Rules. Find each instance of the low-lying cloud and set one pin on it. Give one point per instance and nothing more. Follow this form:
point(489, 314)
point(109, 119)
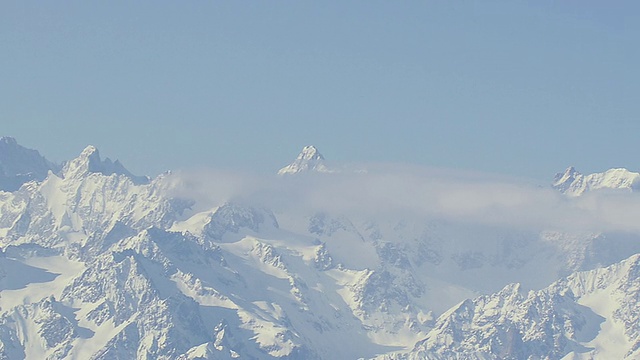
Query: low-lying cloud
point(418, 193)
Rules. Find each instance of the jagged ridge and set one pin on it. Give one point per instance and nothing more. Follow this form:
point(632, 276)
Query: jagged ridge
point(111, 267)
point(573, 183)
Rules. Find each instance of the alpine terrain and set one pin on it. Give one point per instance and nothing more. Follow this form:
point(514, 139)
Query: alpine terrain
point(97, 263)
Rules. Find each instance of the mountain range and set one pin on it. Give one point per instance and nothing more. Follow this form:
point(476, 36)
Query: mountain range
point(573, 183)
point(97, 263)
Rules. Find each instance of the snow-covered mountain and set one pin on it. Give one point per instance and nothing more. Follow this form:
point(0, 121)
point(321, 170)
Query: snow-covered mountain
point(588, 315)
point(573, 183)
point(309, 159)
point(89, 161)
point(19, 165)
point(98, 263)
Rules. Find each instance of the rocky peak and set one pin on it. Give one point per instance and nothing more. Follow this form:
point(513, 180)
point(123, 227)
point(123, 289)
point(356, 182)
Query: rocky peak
point(309, 159)
point(89, 161)
point(310, 153)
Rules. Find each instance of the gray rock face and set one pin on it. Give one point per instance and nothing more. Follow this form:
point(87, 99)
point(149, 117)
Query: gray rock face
point(19, 165)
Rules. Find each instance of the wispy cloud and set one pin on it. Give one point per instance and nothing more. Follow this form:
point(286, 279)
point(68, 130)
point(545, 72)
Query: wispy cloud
point(414, 192)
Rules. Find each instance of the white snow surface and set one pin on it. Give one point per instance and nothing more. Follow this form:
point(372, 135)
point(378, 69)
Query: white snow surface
point(309, 159)
point(573, 183)
point(587, 315)
point(99, 264)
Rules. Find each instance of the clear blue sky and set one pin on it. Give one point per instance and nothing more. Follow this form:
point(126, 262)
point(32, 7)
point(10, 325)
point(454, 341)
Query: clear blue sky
point(516, 87)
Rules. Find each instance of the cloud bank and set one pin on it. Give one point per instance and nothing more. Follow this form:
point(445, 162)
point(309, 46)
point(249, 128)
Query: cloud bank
point(409, 192)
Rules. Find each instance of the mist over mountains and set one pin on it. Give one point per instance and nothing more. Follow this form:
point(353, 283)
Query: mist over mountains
point(317, 261)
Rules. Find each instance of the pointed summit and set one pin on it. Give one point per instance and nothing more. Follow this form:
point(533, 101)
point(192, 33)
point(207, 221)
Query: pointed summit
point(89, 162)
point(310, 153)
point(309, 159)
point(562, 181)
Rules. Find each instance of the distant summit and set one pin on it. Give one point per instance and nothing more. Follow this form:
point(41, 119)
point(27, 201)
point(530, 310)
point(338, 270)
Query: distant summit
point(89, 162)
point(573, 183)
point(309, 159)
point(19, 165)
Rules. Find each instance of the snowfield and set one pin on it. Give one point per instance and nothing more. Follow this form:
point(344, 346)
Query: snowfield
point(97, 263)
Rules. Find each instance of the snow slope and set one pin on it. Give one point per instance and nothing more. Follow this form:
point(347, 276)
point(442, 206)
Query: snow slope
point(573, 183)
point(309, 159)
point(587, 315)
point(98, 263)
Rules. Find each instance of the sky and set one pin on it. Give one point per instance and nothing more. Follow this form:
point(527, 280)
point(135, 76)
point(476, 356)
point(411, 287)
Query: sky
point(523, 88)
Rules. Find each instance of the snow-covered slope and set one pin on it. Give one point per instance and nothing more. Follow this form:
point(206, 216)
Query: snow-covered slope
point(573, 183)
point(591, 314)
point(89, 161)
point(309, 159)
point(97, 263)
